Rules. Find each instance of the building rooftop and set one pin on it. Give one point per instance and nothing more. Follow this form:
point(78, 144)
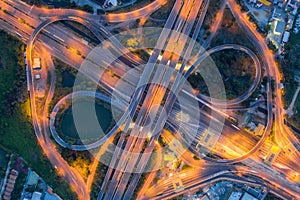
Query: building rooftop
point(286, 36)
point(235, 196)
point(279, 27)
point(36, 63)
point(32, 178)
point(51, 197)
point(248, 197)
point(36, 196)
point(265, 2)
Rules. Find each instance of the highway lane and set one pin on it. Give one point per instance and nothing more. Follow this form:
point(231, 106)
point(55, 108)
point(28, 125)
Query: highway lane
point(26, 24)
point(152, 59)
point(53, 155)
point(70, 174)
point(47, 22)
point(192, 42)
point(158, 76)
point(148, 70)
point(188, 177)
point(186, 29)
point(113, 18)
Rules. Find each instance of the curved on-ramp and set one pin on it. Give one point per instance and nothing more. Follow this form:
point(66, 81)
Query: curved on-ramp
point(93, 145)
point(113, 18)
point(248, 93)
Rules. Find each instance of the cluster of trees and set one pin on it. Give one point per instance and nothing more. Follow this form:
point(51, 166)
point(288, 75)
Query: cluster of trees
point(15, 94)
point(62, 4)
point(289, 65)
point(231, 33)
point(80, 160)
point(62, 84)
point(236, 69)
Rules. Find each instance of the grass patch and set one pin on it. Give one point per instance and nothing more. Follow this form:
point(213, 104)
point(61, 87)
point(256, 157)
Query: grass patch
point(88, 130)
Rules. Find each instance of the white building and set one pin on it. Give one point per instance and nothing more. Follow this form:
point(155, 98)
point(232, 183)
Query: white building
point(36, 196)
point(36, 63)
point(286, 36)
point(113, 2)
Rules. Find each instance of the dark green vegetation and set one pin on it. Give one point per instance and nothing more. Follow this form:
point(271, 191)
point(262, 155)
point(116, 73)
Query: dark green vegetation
point(100, 174)
point(272, 197)
point(68, 79)
point(16, 132)
point(212, 10)
point(237, 71)
point(4, 157)
point(80, 160)
point(59, 4)
point(164, 11)
point(12, 76)
point(65, 78)
point(82, 31)
point(290, 67)
point(230, 32)
point(69, 132)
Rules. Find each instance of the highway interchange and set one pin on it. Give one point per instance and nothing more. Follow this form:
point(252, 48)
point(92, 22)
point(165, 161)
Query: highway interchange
point(41, 30)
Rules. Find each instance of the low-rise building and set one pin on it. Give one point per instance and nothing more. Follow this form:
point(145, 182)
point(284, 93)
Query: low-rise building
point(247, 196)
point(259, 130)
point(36, 196)
point(37, 76)
point(10, 184)
point(279, 27)
point(235, 196)
point(286, 36)
point(36, 63)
